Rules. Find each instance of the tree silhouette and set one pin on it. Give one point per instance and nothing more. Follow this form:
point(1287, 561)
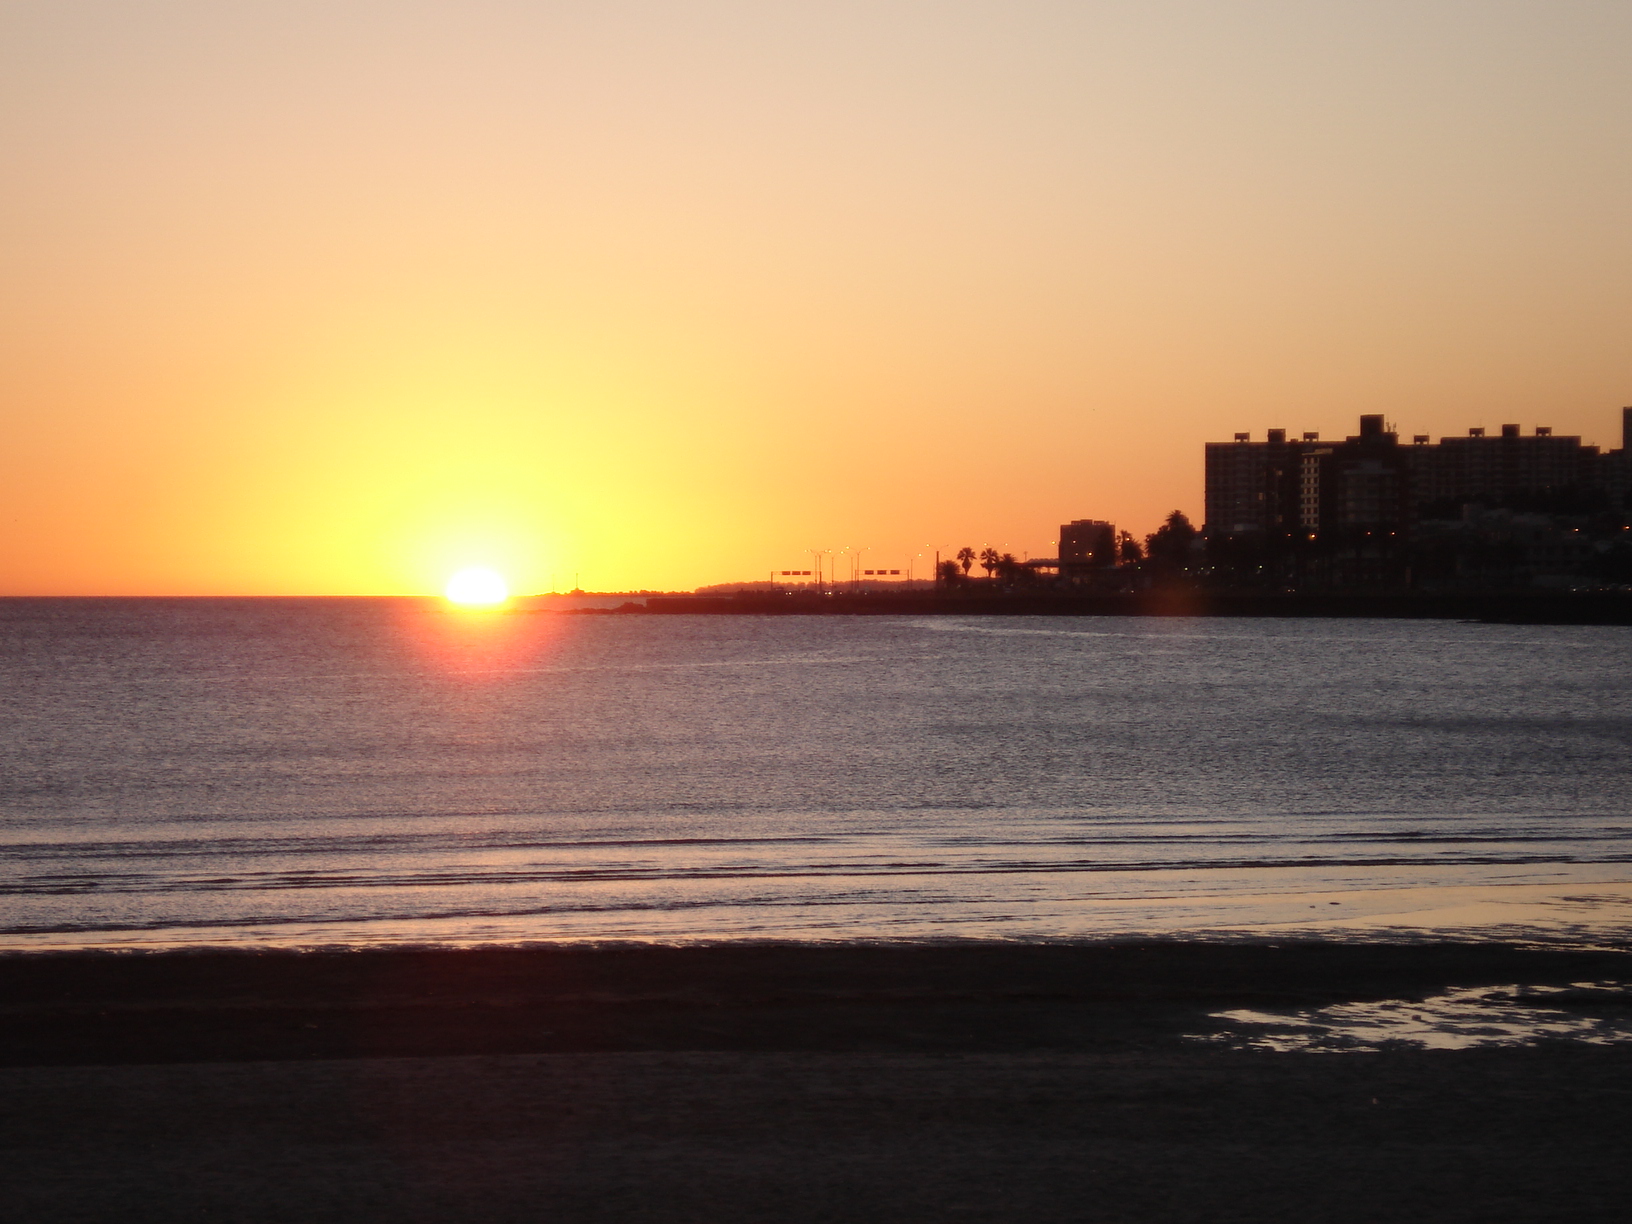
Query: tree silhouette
point(1128, 550)
point(989, 559)
point(966, 558)
point(1170, 544)
point(948, 572)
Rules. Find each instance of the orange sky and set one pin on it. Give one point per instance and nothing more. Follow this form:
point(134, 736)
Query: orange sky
point(338, 297)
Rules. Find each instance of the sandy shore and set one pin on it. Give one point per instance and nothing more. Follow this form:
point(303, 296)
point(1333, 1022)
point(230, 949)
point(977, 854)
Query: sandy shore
point(745, 1083)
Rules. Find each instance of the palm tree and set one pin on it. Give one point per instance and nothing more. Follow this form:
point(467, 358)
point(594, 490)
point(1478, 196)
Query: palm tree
point(988, 559)
point(1170, 544)
point(966, 558)
point(1170, 549)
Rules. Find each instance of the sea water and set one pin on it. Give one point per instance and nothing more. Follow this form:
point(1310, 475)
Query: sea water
point(344, 772)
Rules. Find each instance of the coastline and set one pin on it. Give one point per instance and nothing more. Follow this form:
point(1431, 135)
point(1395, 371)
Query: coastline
point(1563, 608)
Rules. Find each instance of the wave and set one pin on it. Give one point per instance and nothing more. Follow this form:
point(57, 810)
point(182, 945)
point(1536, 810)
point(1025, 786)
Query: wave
point(104, 883)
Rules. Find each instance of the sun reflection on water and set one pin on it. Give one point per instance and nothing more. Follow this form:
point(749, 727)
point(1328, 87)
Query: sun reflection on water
point(477, 645)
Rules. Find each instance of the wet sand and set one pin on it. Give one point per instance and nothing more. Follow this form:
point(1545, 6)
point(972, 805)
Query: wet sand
point(978, 1082)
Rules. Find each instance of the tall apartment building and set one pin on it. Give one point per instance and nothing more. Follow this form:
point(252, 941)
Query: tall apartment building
point(1371, 482)
point(1477, 468)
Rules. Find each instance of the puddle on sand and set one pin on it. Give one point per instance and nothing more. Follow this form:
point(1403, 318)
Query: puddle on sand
point(1593, 1013)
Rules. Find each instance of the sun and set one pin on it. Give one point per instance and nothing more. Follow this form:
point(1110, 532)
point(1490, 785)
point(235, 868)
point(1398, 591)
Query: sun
point(477, 587)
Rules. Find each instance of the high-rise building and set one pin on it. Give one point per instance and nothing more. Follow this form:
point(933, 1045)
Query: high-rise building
point(1480, 468)
point(1371, 483)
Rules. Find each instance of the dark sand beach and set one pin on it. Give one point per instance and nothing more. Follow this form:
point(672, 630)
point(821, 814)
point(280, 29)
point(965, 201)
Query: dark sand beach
point(974, 1081)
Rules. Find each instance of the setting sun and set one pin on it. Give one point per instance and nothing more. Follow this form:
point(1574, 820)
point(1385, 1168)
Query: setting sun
point(477, 587)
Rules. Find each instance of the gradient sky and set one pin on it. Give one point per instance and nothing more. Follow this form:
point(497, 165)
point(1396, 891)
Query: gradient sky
point(337, 297)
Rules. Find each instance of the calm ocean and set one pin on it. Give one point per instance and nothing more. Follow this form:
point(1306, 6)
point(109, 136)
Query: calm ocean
point(337, 772)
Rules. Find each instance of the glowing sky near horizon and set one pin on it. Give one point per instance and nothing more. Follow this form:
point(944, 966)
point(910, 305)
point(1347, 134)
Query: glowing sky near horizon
point(342, 297)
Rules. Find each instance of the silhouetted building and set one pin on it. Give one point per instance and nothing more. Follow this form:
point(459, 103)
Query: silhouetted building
point(1371, 482)
point(1615, 468)
point(1259, 486)
point(1360, 484)
point(1086, 544)
point(1504, 469)
point(1499, 510)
